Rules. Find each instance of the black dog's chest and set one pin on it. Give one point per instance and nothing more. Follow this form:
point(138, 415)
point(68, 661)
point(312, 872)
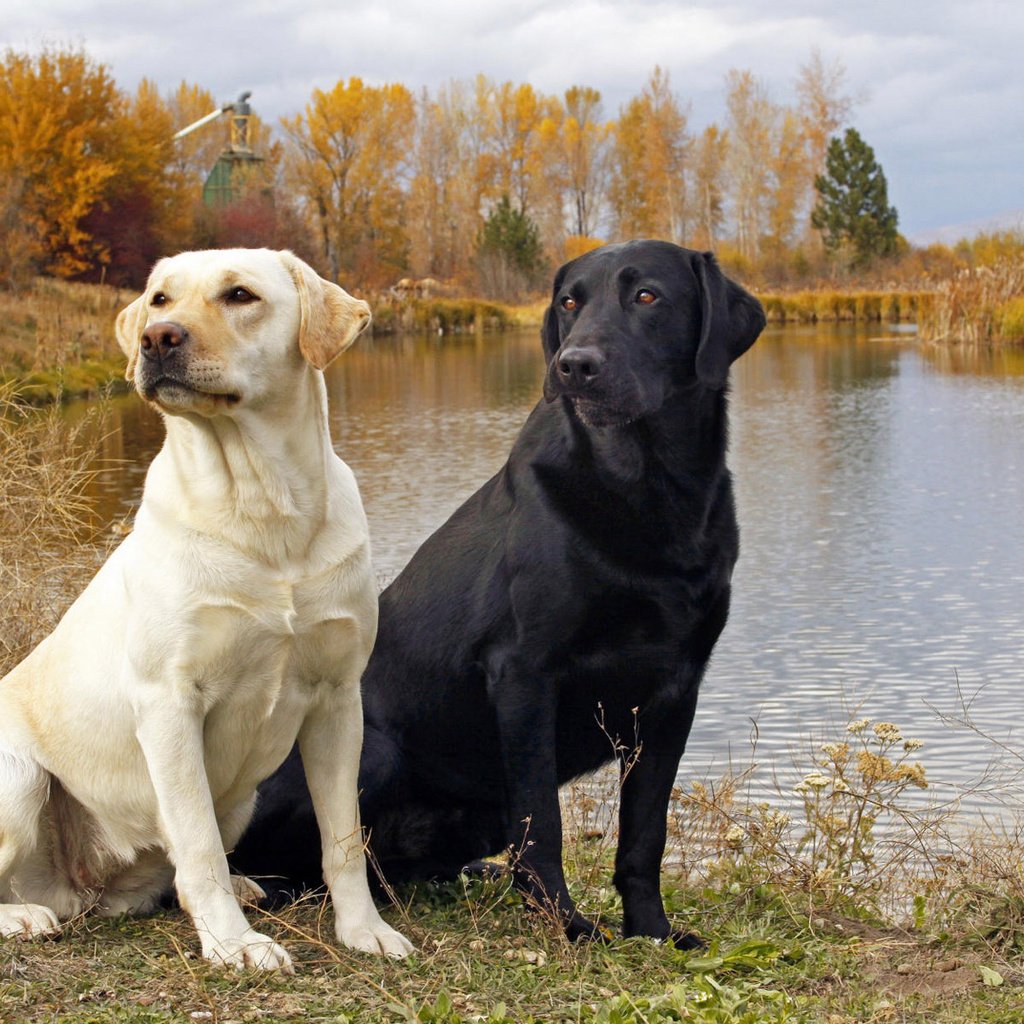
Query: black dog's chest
point(614, 624)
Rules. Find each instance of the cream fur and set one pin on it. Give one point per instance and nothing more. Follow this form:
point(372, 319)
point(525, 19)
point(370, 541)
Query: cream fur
point(237, 616)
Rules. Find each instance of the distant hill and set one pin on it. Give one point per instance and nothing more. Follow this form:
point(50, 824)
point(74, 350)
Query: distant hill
point(1010, 220)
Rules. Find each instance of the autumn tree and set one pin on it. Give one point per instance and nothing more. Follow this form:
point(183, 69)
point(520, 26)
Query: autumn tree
point(823, 107)
point(134, 221)
point(648, 188)
point(853, 214)
point(708, 186)
point(450, 177)
point(750, 119)
point(348, 160)
point(56, 112)
point(581, 158)
point(21, 244)
point(785, 188)
point(516, 117)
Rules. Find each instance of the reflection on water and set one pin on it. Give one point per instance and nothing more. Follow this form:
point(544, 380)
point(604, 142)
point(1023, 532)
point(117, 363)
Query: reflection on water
point(880, 486)
point(880, 498)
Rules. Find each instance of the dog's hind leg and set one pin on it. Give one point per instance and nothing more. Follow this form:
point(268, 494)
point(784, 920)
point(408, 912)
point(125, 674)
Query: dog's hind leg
point(24, 788)
point(138, 890)
point(526, 724)
point(232, 825)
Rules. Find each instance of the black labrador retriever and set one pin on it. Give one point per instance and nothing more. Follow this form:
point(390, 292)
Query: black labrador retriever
point(563, 617)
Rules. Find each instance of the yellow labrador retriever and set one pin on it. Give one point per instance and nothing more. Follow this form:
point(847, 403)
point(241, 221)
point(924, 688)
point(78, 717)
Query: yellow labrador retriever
point(237, 616)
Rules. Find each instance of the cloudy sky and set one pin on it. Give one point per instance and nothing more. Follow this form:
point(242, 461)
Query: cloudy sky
point(939, 84)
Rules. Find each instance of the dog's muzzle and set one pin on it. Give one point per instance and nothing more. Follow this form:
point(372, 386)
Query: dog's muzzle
point(165, 373)
point(163, 350)
point(575, 371)
point(162, 341)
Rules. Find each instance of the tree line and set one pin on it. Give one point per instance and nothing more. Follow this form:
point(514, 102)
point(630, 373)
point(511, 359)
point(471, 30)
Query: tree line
point(480, 184)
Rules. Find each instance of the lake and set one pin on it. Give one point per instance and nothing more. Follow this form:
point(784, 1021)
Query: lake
point(880, 487)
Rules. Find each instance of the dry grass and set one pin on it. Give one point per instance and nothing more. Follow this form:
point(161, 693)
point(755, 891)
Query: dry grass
point(824, 305)
point(57, 339)
point(981, 305)
point(441, 316)
point(48, 538)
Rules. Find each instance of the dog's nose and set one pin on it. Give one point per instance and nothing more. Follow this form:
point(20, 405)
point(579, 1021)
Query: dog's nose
point(162, 338)
point(579, 367)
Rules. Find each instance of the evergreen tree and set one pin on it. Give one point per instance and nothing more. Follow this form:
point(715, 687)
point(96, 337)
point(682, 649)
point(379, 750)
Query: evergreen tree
point(853, 212)
point(509, 252)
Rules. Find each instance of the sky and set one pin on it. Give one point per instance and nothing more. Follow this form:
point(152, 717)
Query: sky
point(938, 85)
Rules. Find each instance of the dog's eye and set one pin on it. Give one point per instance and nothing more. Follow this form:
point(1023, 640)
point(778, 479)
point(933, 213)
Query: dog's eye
point(241, 296)
point(568, 303)
point(645, 296)
point(159, 299)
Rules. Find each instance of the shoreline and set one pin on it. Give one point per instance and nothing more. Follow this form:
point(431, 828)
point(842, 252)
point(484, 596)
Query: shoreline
point(57, 339)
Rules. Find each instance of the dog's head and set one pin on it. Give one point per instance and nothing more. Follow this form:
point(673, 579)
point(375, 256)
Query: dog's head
point(629, 323)
point(216, 330)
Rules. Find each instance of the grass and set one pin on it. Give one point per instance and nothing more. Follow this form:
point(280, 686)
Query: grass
point(777, 955)
point(57, 340)
point(442, 316)
point(49, 545)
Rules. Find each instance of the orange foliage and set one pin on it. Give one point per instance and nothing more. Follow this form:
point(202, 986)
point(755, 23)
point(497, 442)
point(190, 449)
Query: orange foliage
point(57, 110)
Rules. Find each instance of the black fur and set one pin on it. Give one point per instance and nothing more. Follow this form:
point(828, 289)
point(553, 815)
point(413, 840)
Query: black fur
point(564, 615)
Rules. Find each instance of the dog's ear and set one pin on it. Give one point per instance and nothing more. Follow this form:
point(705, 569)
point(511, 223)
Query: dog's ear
point(329, 318)
point(128, 331)
point(549, 331)
point(731, 320)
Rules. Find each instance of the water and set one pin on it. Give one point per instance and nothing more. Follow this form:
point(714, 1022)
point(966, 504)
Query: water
point(880, 487)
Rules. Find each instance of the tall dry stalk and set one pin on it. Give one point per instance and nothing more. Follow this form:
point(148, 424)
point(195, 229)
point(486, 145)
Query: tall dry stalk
point(47, 534)
point(971, 306)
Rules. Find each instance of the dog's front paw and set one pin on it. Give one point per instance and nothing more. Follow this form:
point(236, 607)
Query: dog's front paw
point(250, 951)
point(27, 921)
point(374, 937)
point(685, 940)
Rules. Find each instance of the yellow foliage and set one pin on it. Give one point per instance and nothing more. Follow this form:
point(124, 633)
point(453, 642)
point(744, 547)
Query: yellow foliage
point(56, 110)
point(577, 245)
point(347, 151)
point(649, 148)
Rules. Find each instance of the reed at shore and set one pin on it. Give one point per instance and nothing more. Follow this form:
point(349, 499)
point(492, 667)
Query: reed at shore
point(825, 305)
point(979, 305)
